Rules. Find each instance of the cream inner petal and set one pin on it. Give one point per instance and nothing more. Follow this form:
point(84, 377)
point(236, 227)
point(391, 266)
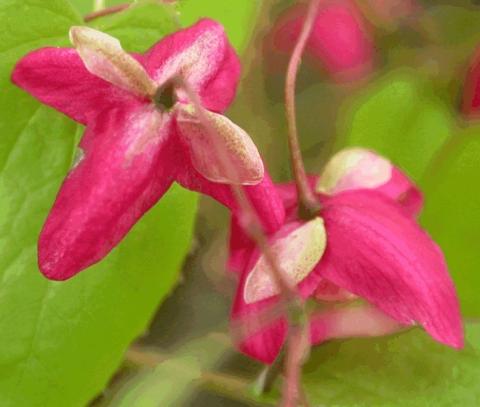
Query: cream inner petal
point(104, 57)
point(297, 254)
point(220, 150)
point(354, 168)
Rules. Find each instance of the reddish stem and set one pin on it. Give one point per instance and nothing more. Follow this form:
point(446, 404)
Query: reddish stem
point(252, 223)
point(106, 11)
point(307, 201)
point(298, 349)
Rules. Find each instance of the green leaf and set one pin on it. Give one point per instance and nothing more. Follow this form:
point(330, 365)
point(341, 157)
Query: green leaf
point(409, 369)
point(61, 341)
point(237, 16)
point(399, 117)
point(83, 6)
point(406, 369)
point(140, 26)
point(452, 213)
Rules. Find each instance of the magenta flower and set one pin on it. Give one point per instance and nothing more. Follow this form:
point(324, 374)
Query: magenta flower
point(364, 254)
point(471, 92)
point(339, 40)
point(142, 133)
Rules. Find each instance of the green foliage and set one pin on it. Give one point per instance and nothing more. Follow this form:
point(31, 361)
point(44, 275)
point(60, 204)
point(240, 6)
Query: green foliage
point(238, 16)
point(61, 342)
point(452, 213)
point(86, 6)
point(408, 369)
point(140, 26)
point(398, 117)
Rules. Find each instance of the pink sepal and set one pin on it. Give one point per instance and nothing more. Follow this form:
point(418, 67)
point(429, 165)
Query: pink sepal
point(379, 253)
point(203, 55)
point(121, 175)
point(58, 78)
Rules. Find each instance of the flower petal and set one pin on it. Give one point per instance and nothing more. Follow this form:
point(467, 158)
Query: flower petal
point(240, 247)
point(210, 151)
point(288, 193)
point(327, 291)
point(354, 320)
point(260, 338)
point(202, 54)
point(354, 168)
point(471, 92)
point(58, 78)
point(104, 57)
point(359, 168)
point(379, 253)
point(339, 39)
point(263, 197)
point(298, 248)
point(404, 191)
point(124, 171)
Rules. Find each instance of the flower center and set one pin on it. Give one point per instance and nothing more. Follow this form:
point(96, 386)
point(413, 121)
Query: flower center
point(164, 97)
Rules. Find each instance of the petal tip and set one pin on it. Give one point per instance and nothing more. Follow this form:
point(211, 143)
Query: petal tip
point(297, 252)
point(354, 168)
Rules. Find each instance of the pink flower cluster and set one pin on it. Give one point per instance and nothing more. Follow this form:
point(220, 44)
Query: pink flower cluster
point(363, 257)
point(363, 252)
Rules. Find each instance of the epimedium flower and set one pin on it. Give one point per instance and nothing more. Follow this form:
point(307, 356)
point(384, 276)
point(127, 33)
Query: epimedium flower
point(363, 258)
point(142, 134)
point(339, 40)
point(470, 107)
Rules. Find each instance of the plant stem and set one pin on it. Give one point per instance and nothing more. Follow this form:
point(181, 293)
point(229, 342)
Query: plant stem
point(105, 12)
point(308, 204)
point(297, 353)
point(227, 385)
point(253, 228)
point(252, 224)
point(269, 375)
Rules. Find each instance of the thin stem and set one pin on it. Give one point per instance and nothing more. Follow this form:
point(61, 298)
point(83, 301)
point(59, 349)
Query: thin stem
point(270, 373)
point(252, 224)
point(308, 204)
point(298, 350)
point(105, 12)
point(230, 386)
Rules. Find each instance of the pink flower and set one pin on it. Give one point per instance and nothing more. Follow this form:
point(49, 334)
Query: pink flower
point(471, 92)
point(142, 133)
point(363, 254)
point(339, 39)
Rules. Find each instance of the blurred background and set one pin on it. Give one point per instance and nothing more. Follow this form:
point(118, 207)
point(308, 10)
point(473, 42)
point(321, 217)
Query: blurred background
point(407, 88)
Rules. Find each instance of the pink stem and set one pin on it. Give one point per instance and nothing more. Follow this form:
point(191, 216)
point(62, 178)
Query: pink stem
point(105, 12)
point(252, 226)
point(306, 197)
